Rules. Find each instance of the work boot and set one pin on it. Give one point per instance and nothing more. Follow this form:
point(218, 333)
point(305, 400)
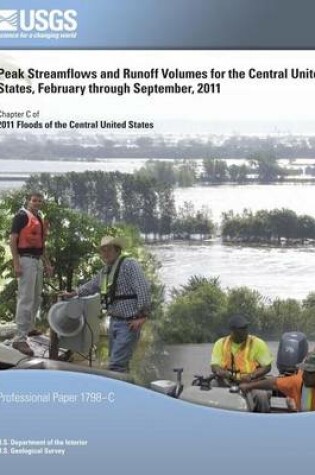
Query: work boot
point(23, 347)
point(34, 332)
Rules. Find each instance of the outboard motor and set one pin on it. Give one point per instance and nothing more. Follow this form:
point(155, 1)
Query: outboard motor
point(293, 347)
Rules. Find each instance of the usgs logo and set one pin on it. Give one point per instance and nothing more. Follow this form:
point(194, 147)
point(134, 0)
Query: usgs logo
point(38, 20)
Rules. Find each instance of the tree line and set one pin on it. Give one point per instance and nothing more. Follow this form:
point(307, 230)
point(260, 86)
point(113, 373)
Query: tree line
point(116, 197)
point(149, 205)
point(199, 312)
point(66, 146)
point(267, 227)
point(261, 168)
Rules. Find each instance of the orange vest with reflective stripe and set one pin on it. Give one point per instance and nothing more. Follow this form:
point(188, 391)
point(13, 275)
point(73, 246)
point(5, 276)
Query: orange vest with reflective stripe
point(32, 235)
point(240, 362)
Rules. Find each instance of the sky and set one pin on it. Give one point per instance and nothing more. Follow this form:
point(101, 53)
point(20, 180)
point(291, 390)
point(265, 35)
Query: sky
point(243, 106)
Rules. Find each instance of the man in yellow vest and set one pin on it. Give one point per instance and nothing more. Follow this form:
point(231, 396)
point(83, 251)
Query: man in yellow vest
point(241, 358)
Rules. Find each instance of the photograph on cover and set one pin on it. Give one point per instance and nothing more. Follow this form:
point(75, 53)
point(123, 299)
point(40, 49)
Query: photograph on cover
point(157, 215)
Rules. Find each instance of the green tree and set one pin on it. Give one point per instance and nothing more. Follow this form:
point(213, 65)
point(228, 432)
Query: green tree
point(215, 170)
point(234, 172)
point(161, 171)
point(249, 303)
point(308, 315)
point(238, 173)
point(185, 172)
point(221, 171)
point(195, 314)
point(283, 223)
point(208, 169)
point(166, 209)
point(267, 167)
point(189, 222)
point(305, 227)
point(148, 201)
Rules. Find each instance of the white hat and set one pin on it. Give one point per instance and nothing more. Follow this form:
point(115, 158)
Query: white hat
point(114, 241)
point(66, 318)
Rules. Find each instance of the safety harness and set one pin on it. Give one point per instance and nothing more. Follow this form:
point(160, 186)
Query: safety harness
point(109, 285)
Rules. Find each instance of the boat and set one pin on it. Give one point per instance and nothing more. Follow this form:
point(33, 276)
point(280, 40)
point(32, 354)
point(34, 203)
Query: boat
point(207, 391)
point(75, 326)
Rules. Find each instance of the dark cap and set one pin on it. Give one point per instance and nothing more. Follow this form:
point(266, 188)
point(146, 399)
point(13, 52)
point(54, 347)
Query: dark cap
point(238, 321)
point(309, 363)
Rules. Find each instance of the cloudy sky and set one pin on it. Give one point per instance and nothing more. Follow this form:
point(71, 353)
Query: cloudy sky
point(244, 105)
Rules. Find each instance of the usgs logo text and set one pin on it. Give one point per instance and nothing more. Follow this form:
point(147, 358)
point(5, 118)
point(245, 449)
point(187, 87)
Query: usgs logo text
point(38, 20)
